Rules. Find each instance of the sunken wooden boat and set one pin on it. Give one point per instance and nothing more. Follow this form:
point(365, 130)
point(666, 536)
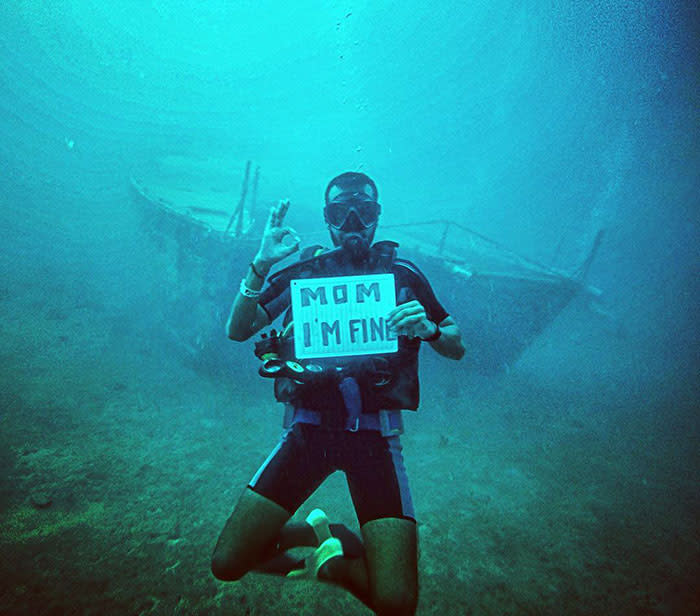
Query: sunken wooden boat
point(204, 215)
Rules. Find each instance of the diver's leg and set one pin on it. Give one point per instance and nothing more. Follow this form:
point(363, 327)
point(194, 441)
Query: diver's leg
point(280, 564)
point(292, 535)
point(386, 579)
point(284, 481)
point(248, 535)
point(330, 540)
point(391, 545)
point(291, 473)
point(256, 537)
point(301, 534)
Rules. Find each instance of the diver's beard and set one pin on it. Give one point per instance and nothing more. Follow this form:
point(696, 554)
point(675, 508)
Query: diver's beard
point(355, 242)
point(356, 246)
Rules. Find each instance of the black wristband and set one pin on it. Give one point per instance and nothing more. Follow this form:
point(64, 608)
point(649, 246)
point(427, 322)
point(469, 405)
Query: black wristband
point(435, 336)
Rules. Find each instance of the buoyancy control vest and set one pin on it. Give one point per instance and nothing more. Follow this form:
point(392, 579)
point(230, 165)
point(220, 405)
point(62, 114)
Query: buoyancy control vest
point(386, 381)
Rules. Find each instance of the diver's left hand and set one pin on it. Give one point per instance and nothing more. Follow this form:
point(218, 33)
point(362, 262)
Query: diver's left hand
point(410, 319)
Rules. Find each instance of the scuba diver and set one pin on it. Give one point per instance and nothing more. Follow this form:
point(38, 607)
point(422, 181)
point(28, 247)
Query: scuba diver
point(342, 413)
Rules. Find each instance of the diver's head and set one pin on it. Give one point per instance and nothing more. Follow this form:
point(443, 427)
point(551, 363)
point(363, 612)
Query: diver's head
point(352, 212)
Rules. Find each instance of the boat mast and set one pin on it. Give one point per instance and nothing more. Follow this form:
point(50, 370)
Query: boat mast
point(254, 196)
point(239, 209)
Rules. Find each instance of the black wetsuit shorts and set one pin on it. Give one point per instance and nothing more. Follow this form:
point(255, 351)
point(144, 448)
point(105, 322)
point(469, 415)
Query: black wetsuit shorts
point(307, 454)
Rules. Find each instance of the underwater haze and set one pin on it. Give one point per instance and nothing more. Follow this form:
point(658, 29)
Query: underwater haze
point(565, 483)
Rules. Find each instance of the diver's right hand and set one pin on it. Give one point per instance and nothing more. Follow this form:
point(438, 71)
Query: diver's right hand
point(277, 242)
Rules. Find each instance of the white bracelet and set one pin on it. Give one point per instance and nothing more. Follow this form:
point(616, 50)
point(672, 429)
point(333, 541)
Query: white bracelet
point(246, 291)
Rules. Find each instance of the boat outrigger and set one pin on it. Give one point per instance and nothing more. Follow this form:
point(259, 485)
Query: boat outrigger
point(502, 300)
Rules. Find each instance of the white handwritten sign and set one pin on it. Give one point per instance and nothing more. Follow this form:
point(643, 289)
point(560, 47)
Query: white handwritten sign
point(343, 315)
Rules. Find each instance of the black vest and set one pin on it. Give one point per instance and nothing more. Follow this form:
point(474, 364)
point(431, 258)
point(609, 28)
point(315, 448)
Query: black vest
point(387, 381)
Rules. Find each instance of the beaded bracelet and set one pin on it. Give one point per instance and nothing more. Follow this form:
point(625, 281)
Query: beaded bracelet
point(246, 291)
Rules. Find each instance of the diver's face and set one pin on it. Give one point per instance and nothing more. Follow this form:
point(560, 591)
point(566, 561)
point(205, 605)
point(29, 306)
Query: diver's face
point(352, 224)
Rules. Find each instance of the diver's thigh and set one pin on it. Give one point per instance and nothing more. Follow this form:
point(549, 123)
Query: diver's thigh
point(295, 468)
point(377, 479)
point(254, 524)
point(391, 548)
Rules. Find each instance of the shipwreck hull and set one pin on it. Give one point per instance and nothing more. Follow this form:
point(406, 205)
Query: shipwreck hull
point(499, 316)
point(506, 318)
point(500, 300)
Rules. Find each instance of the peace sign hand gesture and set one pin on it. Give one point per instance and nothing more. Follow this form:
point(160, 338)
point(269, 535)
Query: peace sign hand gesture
point(277, 242)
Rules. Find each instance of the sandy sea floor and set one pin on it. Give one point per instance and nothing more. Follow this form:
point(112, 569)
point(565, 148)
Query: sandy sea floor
point(120, 464)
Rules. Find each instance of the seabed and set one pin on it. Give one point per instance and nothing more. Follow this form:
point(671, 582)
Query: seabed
point(121, 463)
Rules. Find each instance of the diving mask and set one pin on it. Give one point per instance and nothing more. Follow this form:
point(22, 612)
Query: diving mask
point(338, 211)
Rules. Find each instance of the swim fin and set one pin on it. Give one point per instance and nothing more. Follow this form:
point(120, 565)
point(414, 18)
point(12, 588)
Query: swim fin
point(330, 548)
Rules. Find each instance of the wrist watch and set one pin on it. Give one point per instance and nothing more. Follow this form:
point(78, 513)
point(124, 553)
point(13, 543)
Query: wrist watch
point(433, 337)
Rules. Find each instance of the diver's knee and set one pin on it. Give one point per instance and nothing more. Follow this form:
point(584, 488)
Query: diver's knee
point(226, 569)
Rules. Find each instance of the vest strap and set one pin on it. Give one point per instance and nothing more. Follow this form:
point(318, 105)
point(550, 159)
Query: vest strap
point(387, 422)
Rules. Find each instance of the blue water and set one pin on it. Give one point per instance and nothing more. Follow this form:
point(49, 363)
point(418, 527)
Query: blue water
point(568, 485)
